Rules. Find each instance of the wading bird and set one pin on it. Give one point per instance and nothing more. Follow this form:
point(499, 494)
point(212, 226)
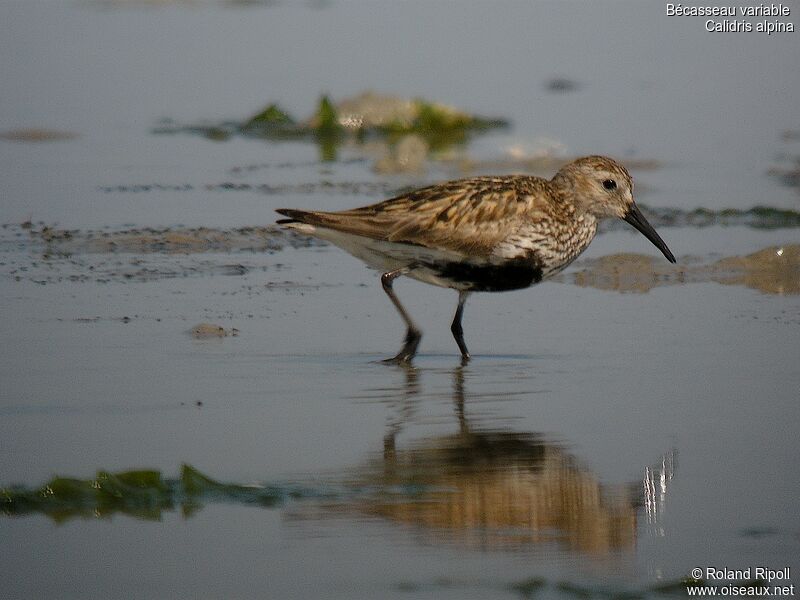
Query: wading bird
point(483, 234)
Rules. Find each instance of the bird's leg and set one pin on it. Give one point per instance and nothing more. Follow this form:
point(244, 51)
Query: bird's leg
point(458, 331)
point(413, 334)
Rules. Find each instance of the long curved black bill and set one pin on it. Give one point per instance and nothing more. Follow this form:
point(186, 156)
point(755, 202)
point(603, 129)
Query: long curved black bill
point(635, 217)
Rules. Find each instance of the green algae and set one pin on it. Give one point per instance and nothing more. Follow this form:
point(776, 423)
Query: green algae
point(574, 590)
point(355, 120)
point(271, 115)
point(528, 588)
point(439, 126)
point(141, 494)
point(326, 117)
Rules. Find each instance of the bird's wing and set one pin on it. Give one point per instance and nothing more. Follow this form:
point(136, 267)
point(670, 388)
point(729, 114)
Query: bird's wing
point(468, 216)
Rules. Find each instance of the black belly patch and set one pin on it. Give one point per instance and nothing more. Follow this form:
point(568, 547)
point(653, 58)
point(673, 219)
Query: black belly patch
point(514, 274)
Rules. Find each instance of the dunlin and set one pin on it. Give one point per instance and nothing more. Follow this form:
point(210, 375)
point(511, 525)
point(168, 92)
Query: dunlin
point(484, 234)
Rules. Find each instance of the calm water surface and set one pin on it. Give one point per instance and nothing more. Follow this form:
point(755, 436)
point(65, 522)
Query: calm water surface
point(601, 441)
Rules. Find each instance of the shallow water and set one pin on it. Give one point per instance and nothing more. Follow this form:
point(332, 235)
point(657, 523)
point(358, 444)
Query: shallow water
point(615, 429)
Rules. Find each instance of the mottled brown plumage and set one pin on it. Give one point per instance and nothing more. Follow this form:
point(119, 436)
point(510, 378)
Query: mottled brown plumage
point(482, 233)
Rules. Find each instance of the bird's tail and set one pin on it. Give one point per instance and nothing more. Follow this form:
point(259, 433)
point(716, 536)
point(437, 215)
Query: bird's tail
point(308, 221)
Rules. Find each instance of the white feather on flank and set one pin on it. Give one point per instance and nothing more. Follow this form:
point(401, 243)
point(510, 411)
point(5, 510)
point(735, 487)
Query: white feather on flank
point(388, 256)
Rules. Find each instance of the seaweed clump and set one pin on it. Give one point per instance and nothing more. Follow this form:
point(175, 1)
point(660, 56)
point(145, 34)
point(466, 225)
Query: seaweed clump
point(141, 494)
point(366, 116)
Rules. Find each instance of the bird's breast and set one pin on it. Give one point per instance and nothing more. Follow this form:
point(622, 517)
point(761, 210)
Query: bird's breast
point(554, 244)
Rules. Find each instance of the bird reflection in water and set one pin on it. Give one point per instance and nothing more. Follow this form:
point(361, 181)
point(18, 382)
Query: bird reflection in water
point(501, 489)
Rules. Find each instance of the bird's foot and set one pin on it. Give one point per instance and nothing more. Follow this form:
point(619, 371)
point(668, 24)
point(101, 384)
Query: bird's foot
point(409, 350)
point(401, 359)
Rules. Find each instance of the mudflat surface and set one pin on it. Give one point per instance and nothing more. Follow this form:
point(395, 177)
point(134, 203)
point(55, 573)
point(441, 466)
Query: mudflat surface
point(617, 427)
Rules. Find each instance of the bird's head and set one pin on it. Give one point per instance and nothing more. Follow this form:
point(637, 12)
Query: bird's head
point(603, 188)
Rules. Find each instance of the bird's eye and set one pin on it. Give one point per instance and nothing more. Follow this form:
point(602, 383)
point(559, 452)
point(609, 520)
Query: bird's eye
point(610, 184)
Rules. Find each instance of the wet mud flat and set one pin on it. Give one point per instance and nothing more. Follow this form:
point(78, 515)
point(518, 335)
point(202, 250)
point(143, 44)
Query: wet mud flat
point(251, 355)
point(45, 254)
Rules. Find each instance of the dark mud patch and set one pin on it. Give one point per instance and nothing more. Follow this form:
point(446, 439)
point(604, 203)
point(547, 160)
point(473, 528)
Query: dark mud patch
point(37, 135)
point(788, 175)
point(787, 169)
point(561, 85)
point(204, 331)
point(355, 188)
point(51, 240)
point(98, 268)
point(352, 188)
point(43, 254)
point(259, 167)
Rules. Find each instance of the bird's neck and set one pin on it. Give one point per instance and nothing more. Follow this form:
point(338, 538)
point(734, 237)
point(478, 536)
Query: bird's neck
point(571, 239)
